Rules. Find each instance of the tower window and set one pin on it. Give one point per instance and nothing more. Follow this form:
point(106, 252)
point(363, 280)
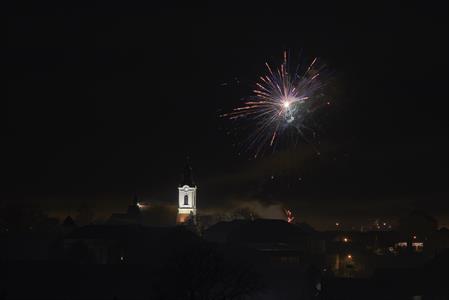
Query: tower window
point(186, 200)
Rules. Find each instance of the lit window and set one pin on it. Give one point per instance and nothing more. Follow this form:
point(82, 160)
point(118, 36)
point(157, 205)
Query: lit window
point(417, 244)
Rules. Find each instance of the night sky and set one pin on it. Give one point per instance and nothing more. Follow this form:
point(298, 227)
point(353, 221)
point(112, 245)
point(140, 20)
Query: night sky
point(106, 100)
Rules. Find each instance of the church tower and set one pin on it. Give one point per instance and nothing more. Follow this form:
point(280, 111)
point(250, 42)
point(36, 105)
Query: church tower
point(187, 197)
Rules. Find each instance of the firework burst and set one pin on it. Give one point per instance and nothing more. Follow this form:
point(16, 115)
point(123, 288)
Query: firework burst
point(281, 99)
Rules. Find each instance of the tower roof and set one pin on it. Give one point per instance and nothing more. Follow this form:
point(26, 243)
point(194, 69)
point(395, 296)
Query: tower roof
point(68, 222)
point(187, 178)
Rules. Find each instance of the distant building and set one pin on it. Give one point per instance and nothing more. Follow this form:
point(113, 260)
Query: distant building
point(277, 241)
point(132, 215)
point(128, 243)
point(186, 197)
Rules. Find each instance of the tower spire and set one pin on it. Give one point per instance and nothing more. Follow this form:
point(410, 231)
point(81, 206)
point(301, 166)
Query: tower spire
point(187, 178)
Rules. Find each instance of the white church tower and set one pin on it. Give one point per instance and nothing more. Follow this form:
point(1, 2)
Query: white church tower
point(187, 197)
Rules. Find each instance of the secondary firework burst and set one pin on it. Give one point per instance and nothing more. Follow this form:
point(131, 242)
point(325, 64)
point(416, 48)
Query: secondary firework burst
point(281, 99)
point(289, 215)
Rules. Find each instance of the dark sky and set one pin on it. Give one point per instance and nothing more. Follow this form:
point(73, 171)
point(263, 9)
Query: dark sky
point(106, 100)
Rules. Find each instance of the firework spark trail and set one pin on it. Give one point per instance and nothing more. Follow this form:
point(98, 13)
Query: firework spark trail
point(280, 100)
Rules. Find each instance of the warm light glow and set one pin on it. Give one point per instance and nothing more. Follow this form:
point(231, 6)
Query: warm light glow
point(182, 218)
point(143, 205)
point(349, 256)
point(414, 237)
point(345, 240)
point(337, 224)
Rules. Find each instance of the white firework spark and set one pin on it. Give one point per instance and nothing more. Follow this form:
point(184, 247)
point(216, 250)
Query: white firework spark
point(280, 100)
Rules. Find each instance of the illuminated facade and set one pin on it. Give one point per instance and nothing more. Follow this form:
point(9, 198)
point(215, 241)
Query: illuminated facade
point(186, 197)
